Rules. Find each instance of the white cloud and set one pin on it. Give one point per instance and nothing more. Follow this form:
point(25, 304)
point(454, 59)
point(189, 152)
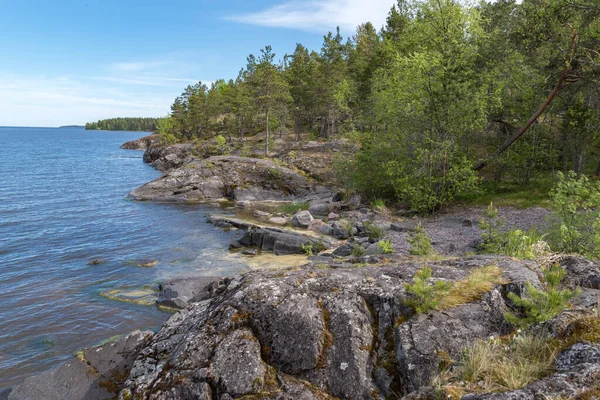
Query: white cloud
point(54, 101)
point(136, 66)
point(321, 15)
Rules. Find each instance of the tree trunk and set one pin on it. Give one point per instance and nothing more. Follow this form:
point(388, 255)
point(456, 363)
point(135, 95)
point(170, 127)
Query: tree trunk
point(267, 141)
point(530, 122)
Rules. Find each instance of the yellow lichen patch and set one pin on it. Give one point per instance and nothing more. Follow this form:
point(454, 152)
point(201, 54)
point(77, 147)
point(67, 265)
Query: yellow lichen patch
point(239, 316)
point(327, 336)
point(470, 289)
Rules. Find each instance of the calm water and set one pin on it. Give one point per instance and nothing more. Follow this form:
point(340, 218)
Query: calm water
point(62, 204)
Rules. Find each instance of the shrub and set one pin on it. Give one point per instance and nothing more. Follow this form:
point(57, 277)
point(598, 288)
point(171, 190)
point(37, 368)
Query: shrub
point(514, 243)
point(425, 295)
point(386, 246)
point(373, 231)
point(420, 242)
point(307, 249)
point(491, 224)
point(576, 212)
point(358, 251)
point(541, 305)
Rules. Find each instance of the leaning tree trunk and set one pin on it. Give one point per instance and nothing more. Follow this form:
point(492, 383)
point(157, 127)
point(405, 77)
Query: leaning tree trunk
point(267, 141)
point(559, 86)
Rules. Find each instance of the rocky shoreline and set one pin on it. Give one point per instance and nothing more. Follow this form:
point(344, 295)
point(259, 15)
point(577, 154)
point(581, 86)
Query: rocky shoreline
point(337, 327)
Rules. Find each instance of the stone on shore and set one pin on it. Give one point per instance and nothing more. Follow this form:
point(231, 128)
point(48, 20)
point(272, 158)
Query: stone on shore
point(302, 219)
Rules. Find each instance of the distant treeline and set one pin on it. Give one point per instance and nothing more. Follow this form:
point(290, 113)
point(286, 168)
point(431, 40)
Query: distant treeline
point(124, 124)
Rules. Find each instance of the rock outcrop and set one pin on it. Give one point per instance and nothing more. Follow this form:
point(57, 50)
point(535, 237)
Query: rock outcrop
point(231, 177)
point(166, 158)
point(318, 334)
point(142, 143)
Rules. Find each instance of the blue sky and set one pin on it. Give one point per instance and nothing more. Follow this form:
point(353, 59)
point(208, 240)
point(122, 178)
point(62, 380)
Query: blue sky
point(73, 61)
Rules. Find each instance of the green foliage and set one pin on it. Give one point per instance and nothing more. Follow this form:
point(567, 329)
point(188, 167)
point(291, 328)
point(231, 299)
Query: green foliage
point(307, 248)
point(514, 243)
point(358, 251)
point(541, 305)
point(386, 246)
point(424, 294)
point(125, 124)
point(372, 230)
point(293, 208)
point(576, 212)
point(420, 242)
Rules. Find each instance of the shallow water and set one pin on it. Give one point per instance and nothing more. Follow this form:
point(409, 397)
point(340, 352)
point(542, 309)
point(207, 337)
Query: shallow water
point(62, 204)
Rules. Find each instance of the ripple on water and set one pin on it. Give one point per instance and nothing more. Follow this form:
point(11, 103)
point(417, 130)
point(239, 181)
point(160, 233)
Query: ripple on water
point(62, 204)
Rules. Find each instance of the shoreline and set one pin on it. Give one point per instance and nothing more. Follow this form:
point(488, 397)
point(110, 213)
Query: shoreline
point(334, 287)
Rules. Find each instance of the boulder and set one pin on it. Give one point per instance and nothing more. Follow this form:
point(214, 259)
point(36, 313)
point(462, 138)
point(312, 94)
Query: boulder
point(340, 231)
point(302, 219)
point(324, 208)
point(333, 217)
point(281, 241)
point(178, 293)
point(315, 225)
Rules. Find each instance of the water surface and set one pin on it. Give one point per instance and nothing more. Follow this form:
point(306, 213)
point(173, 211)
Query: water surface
point(62, 204)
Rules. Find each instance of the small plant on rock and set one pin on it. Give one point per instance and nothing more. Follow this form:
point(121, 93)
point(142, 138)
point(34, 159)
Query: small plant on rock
point(541, 305)
point(386, 246)
point(420, 242)
point(307, 249)
point(491, 224)
point(424, 294)
point(373, 231)
point(358, 251)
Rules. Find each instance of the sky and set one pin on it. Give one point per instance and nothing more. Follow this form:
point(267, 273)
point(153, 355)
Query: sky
point(65, 62)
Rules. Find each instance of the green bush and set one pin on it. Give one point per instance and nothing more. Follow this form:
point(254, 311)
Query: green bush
point(541, 305)
point(514, 243)
point(307, 248)
point(420, 242)
point(576, 212)
point(425, 295)
point(386, 246)
point(358, 251)
point(372, 230)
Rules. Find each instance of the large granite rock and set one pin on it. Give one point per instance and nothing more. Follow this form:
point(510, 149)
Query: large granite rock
point(316, 333)
point(96, 374)
point(282, 241)
point(218, 177)
point(142, 143)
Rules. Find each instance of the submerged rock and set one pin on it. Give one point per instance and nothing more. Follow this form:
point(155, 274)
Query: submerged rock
point(95, 374)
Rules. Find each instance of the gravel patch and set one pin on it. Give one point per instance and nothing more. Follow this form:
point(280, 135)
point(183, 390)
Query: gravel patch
point(456, 231)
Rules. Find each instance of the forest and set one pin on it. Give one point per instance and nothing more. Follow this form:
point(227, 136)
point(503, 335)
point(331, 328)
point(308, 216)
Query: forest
point(446, 98)
point(124, 124)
